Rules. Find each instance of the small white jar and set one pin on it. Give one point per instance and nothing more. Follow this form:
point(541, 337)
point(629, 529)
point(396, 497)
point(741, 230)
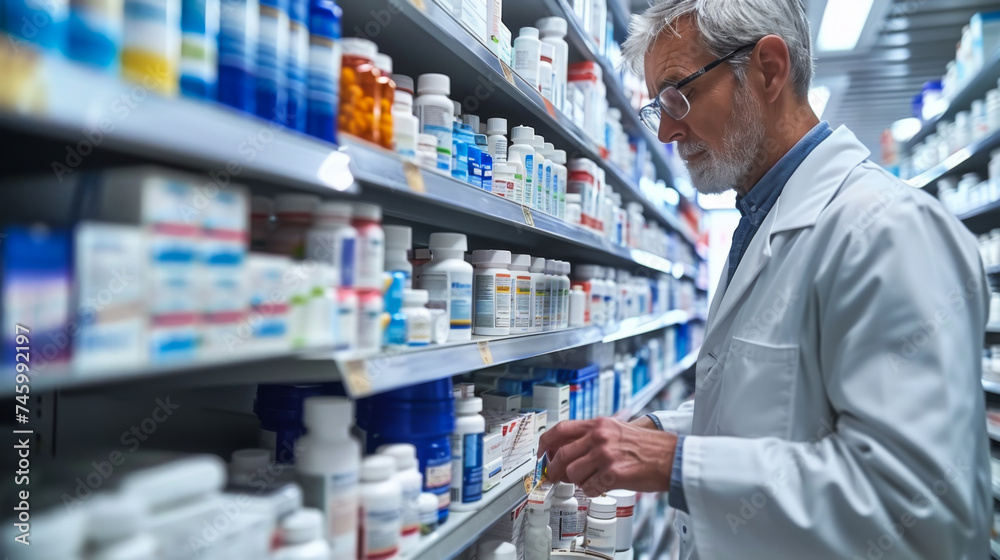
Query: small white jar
point(602, 533)
point(419, 320)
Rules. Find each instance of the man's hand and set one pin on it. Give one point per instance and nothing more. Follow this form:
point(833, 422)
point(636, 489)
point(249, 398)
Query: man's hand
point(605, 454)
point(644, 422)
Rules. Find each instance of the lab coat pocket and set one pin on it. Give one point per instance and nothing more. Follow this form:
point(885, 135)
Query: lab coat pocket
point(757, 388)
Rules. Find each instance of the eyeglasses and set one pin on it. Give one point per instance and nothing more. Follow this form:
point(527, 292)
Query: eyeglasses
point(672, 102)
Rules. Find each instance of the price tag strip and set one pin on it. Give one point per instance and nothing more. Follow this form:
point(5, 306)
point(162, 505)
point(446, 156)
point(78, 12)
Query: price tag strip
point(356, 377)
point(414, 177)
point(484, 351)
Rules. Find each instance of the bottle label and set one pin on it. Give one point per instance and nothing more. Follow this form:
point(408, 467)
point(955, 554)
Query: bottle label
point(371, 260)
point(565, 524)
point(337, 495)
point(492, 301)
point(382, 530)
point(500, 151)
point(522, 303)
point(466, 468)
point(272, 48)
point(549, 207)
point(518, 188)
point(324, 75)
point(437, 480)
point(418, 329)
point(541, 302)
point(438, 123)
point(540, 185)
point(601, 534)
point(529, 184)
point(461, 305)
point(411, 508)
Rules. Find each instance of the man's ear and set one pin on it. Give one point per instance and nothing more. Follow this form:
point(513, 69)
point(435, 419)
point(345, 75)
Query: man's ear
point(772, 65)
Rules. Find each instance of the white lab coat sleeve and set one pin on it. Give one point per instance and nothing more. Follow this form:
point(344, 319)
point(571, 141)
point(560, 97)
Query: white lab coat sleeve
point(676, 421)
point(899, 317)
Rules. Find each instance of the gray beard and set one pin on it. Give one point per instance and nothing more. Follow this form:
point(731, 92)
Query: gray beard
point(718, 172)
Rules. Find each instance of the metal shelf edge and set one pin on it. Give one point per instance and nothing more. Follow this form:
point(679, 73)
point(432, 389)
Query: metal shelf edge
point(956, 160)
point(463, 528)
point(991, 386)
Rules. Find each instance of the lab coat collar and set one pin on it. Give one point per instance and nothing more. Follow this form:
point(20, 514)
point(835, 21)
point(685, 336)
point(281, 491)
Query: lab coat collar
point(808, 191)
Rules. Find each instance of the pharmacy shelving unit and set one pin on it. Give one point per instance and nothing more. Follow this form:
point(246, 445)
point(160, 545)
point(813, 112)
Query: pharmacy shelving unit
point(991, 387)
point(973, 157)
point(974, 88)
point(647, 394)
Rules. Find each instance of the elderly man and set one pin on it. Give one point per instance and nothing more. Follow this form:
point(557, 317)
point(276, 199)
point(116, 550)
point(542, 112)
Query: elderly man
point(838, 411)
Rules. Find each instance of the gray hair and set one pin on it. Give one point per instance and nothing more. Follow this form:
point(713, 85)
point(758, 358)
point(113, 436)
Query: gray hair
point(726, 25)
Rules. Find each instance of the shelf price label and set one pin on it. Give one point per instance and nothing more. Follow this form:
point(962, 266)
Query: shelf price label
point(550, 108)
point(528, 219)
point(484, 351)
point(356, 377)
point(419, 4)
point(508, 74)
point(414, 177)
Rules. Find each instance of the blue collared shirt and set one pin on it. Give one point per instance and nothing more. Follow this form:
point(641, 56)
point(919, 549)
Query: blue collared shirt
point(753, 208)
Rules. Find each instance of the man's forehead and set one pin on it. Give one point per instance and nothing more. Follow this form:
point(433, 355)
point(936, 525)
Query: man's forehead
point(674, 54)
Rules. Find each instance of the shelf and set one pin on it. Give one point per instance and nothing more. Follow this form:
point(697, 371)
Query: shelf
point(363, 376)
point(991, 386)
point(993, 329)
point(428, 196)
point(648, 393)
point(972, 157)
point(478, 78)
point(74, 104)
point(982, 219)
point(993, 270)
point(465, 527)
point(973, 89)
point(392, 369)
point(527, 13)
point(993, 432)
point(994, 550)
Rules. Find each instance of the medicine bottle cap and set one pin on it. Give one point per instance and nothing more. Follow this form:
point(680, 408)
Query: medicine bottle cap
point(416, 298)
point(586, 271)
point(580, 164)
point(366, 211)
point(538, 264)
point(355, 46)
point(398, 237)
point(472, 121)
point(624, 498)
point(248, 461)
point(449, 241)
point(427, 503)
point(472, 405)
point(384, 63)
point(481, 140)
point(333, 211)
point(404, 98)
point(500, 258)
point(573, 198)
point(538, 142)
point(295, 203)
point(496, 550)
point(305, 525)
point(376, 468)
point(550, 266)
point(523, 133)
point(403, 83)
point(531, 32)
point(520, 262)
point(422, 254)
point(496, 126)
point(433, 84)
point(261, 205)
point(559, 156)
point(456, 109)
point(327, 416)
point(405, 454)
point(567, 268)
point(603, 508)
point(552, 27)
point(565, 490)
point(116, 517)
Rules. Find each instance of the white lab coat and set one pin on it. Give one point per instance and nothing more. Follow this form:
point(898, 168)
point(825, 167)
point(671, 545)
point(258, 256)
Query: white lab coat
point(838, 410)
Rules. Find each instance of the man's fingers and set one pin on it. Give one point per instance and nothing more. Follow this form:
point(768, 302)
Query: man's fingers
point(565, 455)
point(564, 432)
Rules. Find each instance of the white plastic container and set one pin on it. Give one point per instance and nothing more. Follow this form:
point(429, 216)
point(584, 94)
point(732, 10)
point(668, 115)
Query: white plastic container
point(559, 176)
point(549, 201)
point(522, 154)
point(382, 503)
point(504, 180)
point(419, 321)
point(367, 219)
point(448, 279)
point(574, 208)
point(625, 517)
point(346, 331)
point(542, 174)
point(410, 482)
point(496, 141)
point(553, 31)
point(521, 288)
point(434, 112)
point(398, 241)
point(527, 55)
point(333, 240)
point(539, 294)
point(563, 519)
point(467, 454)
point(577, 307)
point(546, 72)
point(327, 463)
point(492, 284)
point(117, 529)
point(427, 151)
point(371, 304)
point(405, 126)
point(537, 533)
point(602, 534)
point(302, 537)
point(562, 317)
point(428, 504)
point(496, 550)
